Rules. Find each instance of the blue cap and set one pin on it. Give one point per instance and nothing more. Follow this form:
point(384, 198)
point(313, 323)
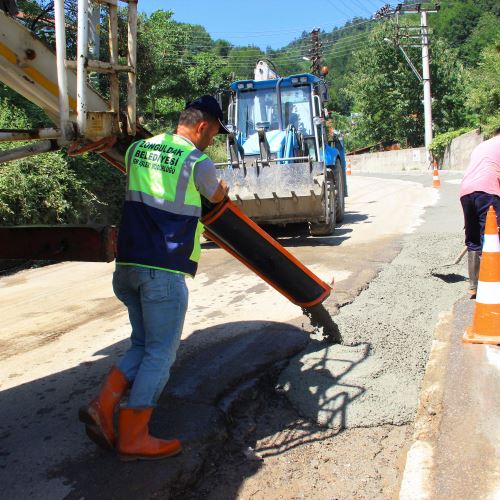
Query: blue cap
point(209, 105)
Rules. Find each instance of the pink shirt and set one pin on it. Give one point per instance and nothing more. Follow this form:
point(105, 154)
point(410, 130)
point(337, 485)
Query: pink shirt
point(483, 172)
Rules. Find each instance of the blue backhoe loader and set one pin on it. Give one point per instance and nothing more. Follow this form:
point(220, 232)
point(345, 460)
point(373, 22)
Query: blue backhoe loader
point(282, 167)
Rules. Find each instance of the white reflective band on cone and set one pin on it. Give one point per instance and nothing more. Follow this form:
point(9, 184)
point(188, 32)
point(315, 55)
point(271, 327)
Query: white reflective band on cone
point(491, 243)
point(488, 292)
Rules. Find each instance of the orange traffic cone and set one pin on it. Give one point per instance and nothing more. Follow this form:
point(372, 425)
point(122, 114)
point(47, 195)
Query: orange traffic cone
point(348, 172)
point(485, 328)
point(436, 183)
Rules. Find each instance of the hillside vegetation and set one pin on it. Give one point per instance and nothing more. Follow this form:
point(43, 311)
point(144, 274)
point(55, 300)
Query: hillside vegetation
point(368, 77)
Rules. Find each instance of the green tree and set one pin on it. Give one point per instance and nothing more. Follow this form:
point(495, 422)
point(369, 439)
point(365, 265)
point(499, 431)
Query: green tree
point(483, 93)
point(385, 92)
point(242, 60)
point(340, 61)
point(161, 59)
point(484, 34)
point(457, 21)
point(18, 112)
point(221, 48)
point(289, 61)
point(389, 96)
point(207, 74)
point(198, 38)
point(448, 88)
point(41, 189)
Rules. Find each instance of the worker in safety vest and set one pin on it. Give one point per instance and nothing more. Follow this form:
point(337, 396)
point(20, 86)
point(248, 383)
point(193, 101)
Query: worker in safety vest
point(480, 188)
point(158, 245)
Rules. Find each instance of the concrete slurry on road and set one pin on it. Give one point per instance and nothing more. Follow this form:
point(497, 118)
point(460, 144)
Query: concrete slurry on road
point(62, 329)
point(374, 377)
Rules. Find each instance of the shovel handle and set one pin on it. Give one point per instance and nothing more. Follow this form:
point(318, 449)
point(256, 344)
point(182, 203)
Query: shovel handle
point(460, 257)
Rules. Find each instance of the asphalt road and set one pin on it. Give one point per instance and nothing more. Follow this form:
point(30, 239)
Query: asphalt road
point(62, 328)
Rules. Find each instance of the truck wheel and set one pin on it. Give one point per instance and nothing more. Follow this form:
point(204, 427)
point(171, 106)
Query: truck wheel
point(340, 194)
point(326, 228)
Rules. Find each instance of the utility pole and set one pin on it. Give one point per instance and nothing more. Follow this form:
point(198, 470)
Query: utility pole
point(416, 36)
point(426, 77)
point(315, 52)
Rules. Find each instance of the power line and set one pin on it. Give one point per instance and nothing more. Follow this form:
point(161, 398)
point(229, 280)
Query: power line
point(251, 61)
point(302, 50)
point(332, 33)
point(299, 48)
point(299, 57)
point(271, 33)
point(347, 14)
point(362, 6)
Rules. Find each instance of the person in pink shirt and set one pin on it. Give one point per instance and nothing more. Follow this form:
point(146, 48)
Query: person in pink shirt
point(479, 189)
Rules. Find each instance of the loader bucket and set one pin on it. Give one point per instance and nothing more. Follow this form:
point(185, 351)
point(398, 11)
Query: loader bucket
point(278, 193)
point(232, 230)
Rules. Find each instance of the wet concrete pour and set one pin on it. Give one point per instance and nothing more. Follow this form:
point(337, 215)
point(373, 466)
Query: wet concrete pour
point(322, 321)
point(193, 408)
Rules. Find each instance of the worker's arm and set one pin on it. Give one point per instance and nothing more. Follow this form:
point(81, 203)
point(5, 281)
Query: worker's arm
point(205, 178)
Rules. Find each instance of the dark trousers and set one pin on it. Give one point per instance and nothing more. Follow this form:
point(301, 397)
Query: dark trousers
point(475, 206)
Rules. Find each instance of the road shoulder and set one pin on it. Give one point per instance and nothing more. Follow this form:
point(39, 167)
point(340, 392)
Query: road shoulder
point(455, 446)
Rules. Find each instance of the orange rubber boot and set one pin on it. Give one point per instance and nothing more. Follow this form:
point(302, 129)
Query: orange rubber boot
point(98, 414)
point(135, 442)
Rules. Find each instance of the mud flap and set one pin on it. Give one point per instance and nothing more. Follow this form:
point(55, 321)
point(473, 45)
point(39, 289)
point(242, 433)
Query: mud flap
point(227, 226)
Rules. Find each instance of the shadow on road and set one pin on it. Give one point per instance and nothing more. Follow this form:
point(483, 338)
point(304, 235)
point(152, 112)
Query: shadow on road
point(44, 447)
point(266, 425)
point(450, 277)
point(329, 409)
point(320, 389)
point(297, 235)
point(219, 370)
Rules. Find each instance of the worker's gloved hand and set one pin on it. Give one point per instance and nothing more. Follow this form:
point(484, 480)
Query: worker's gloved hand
point(220, 193)
point(226, 190)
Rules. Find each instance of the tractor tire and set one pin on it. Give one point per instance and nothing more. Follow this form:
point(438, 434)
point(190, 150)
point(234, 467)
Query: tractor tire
point(326, 228)
point(340, 192)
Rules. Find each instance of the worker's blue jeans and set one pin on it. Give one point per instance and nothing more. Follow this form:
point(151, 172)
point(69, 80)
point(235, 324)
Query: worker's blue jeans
point(475, 206)
point(156, 301)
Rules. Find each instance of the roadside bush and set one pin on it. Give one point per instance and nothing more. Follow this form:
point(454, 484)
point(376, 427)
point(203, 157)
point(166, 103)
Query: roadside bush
point(106, 185)
point(442, 141)
point(489, 125)
point(42, 190)
point(39, 189)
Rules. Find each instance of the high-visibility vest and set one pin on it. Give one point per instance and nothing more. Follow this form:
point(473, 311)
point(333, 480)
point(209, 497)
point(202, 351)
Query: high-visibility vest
point(160, 225)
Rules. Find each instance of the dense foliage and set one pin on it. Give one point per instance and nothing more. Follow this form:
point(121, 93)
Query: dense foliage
point(389, 96)
point(375, 97)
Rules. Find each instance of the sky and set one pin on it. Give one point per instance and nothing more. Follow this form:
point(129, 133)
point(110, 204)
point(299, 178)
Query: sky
point(264, 23)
